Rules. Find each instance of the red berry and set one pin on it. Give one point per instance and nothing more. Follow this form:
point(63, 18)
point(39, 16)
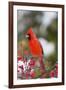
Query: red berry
point(32, 74)
point(19, 58)
point(52, 73)
point(31, 63)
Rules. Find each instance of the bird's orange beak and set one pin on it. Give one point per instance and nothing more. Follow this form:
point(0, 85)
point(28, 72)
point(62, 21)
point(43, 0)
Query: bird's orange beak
point(27, 36)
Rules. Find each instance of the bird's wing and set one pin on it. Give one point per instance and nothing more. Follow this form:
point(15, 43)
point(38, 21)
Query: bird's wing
point(41, 48)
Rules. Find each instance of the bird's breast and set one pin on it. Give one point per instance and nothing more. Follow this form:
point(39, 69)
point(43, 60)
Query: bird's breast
point(35, 48)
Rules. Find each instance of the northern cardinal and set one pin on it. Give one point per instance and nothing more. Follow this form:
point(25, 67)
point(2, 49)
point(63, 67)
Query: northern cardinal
point(35, 47)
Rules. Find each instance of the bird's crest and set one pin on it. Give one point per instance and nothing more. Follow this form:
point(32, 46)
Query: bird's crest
point(30, 31)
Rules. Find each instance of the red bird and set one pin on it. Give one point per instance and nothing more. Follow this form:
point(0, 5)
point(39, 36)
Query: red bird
point(35, 47)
